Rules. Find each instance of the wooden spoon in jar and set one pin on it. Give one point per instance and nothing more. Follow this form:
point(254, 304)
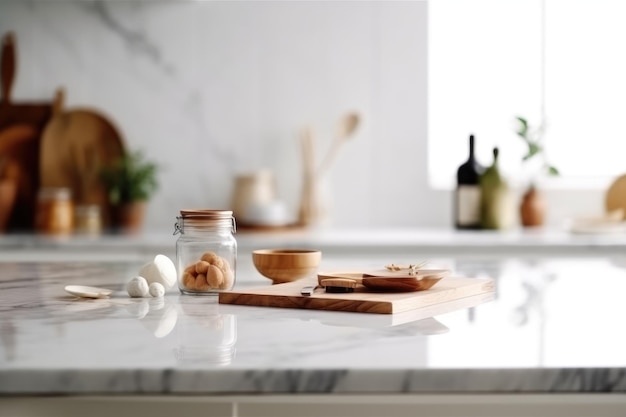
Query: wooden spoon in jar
point(345, 128)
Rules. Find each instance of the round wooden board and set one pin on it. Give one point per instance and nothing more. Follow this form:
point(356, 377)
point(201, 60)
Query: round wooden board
point(616, 196)
point(75, 144)
point(18, 156)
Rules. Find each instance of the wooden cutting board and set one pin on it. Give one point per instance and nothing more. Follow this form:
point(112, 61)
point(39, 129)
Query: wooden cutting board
point(288, 296)
point(19, 148)
point(33, 113)
point(20, 128)
point(75, 145)
point(615, 198)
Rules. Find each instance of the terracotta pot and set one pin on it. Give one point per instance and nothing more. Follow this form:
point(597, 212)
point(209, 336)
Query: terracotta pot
point(129, 217)
point(8, 194)
point(533, 208)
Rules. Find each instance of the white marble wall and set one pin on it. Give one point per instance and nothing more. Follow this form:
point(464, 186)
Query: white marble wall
point(212, 89)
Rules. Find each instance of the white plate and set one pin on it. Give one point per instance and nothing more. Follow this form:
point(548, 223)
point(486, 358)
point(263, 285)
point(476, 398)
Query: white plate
point(88, 292)
point(595, 226)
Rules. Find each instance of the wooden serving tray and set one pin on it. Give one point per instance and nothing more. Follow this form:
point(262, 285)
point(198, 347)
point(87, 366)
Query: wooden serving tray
point(361, 300)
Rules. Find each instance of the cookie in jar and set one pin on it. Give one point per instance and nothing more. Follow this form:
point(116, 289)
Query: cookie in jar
point(206, 251)
point(210, 273)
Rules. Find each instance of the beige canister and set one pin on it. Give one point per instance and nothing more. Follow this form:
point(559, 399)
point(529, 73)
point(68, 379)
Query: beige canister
point(252, 190)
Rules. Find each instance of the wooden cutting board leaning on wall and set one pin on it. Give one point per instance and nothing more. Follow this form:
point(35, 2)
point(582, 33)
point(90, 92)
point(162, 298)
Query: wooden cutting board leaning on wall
point(75, 144)
point(21, 125)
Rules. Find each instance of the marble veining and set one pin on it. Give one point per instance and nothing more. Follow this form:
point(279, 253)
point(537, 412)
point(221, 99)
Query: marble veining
point(138, 42)
point(210, 90)
point(51, 342)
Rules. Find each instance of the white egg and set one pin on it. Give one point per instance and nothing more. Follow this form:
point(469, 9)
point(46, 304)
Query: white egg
point(137, 287)
point(156, 289)
point(161, 269)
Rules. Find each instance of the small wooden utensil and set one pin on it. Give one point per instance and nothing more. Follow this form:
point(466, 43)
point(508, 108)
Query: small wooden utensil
point(345, 128)
point(340, 284)
point(309, 211)
point(401, 284)
point(383, 280)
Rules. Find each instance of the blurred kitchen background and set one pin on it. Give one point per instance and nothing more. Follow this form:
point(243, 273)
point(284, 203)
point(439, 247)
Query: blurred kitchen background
point(213, 90)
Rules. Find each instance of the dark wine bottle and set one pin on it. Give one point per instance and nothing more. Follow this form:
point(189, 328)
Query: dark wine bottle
point(467, 193)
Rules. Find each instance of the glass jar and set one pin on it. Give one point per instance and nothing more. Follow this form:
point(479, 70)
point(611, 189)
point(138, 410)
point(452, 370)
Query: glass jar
point(55, 212)
point(87, 220)
point(206, 251)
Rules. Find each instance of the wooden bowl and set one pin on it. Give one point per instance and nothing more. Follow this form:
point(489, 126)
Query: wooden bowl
point(286, 265)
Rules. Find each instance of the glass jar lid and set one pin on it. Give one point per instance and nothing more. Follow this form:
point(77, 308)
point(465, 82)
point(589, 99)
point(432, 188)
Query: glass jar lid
point(205, 219)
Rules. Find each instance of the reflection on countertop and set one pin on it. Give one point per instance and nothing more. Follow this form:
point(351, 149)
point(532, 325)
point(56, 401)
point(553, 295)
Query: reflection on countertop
point(553, 326)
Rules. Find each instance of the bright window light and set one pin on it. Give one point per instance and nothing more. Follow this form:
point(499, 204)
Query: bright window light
point(492, 60)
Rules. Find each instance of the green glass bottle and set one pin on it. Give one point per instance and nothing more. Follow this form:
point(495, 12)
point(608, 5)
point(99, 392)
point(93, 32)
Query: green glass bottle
point(496, 208)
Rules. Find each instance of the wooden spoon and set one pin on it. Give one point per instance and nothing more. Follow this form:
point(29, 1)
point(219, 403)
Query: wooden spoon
point(345, 128)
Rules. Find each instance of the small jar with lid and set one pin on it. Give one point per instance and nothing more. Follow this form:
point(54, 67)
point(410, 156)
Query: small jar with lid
point(87, 220)
point(55, 211)
point(206, 251)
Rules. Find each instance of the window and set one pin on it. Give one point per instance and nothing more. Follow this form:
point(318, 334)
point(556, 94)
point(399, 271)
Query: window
point(491, 60)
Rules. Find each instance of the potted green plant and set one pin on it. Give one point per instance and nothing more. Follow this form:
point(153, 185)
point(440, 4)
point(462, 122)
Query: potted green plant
point(533, 206)
point(129, 181)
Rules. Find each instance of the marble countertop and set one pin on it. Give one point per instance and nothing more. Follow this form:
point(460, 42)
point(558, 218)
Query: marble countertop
point(553, 326)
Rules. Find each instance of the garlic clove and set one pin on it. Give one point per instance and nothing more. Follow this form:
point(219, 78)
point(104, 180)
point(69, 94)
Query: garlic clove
point(161, 269)
point(137, 287)
point(156, 289)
